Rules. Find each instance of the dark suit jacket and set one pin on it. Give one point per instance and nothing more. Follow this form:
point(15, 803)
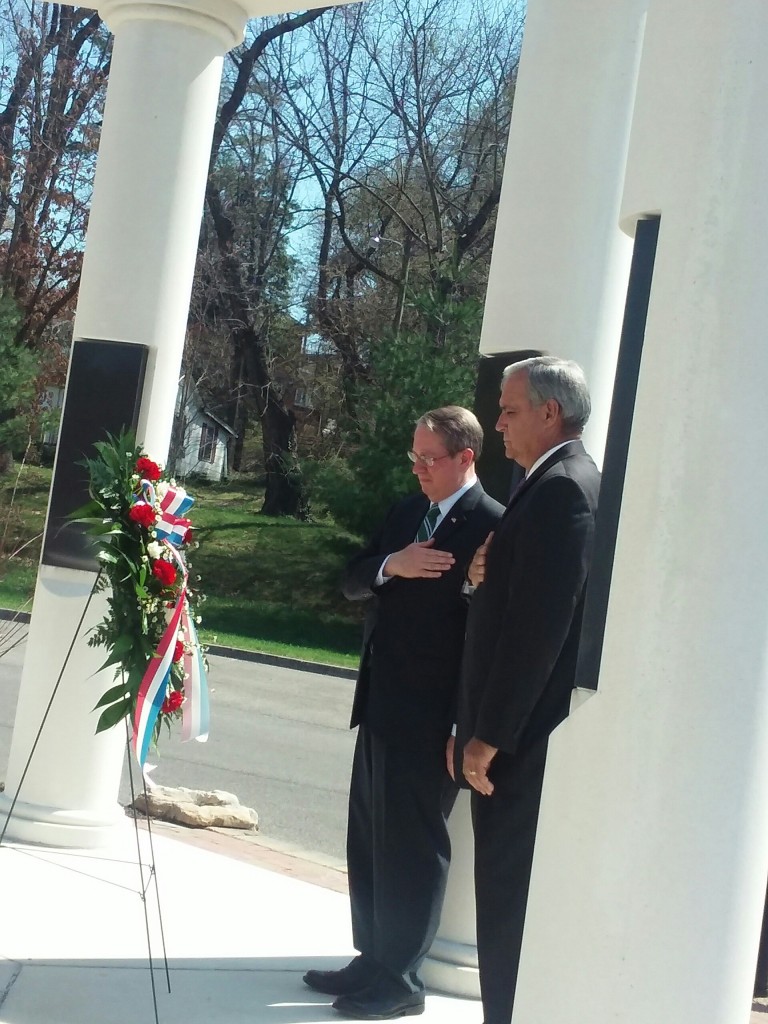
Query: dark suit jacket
point(525, 618)
point(414, 629)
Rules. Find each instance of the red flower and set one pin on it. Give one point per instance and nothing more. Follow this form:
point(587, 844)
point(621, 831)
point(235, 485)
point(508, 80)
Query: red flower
point(178, 651)
point(164, 572)
point(172, 702)
point(142, 513)
point(147, 469)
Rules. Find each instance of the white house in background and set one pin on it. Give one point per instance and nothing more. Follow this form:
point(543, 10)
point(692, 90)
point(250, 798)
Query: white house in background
point(53, 401)
point(200, 442)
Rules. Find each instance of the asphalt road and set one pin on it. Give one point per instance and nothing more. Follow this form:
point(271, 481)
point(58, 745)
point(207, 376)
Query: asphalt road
point(279, 741)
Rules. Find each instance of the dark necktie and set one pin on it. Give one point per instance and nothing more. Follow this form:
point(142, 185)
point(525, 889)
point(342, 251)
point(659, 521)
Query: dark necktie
point(427, 527)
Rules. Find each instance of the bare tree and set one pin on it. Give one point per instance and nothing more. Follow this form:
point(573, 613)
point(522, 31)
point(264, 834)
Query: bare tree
point(318, 88)
point(55, 61)
point(402, 110)
point(250, 236)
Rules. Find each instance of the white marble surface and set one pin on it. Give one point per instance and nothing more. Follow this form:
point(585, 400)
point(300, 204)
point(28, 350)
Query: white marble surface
point(73, 945)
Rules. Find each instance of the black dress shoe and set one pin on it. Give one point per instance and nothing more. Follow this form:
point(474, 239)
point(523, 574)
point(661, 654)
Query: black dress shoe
point(359, 973)
point(366, 1005)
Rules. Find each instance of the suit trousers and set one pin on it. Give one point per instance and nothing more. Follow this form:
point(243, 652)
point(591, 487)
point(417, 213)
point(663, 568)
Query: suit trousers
point(398, 852)
point(504, 826)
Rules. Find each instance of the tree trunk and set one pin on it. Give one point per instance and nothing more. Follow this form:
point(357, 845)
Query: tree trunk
point(278, 428)
point(283, 497)
point(283, 491)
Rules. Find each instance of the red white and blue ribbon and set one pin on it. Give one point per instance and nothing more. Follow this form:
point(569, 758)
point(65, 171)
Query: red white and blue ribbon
point(171, 524)
point(154, 686)
point(170, 530)
point(194, 710)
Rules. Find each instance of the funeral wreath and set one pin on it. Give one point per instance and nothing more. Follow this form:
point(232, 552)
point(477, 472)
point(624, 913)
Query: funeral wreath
point(138, 518)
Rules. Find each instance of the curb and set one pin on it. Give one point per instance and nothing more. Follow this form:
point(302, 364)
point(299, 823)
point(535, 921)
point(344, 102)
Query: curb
point(283, 662)
point(5, 613)
point(238, 654)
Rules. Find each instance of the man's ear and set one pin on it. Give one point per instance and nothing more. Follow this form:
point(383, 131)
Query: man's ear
point(552, 410)
point(467, 457)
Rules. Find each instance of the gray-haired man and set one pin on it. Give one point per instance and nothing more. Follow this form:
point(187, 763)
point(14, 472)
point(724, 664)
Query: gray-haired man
point(520, 653)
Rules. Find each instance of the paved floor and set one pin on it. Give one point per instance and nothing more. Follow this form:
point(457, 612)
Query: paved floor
point(241, 924)
point(238, 935)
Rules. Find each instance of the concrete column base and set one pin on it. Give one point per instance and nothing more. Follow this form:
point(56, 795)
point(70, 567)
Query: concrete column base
point(65, 775)
point(52, 826)
point(451, 966)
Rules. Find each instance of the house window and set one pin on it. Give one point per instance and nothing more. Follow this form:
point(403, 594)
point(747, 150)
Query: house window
point(207, 451)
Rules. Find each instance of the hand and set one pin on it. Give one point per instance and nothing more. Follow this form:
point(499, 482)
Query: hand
point(419, 561)
point(449, 756)
point(477, 761)
point(476, 571)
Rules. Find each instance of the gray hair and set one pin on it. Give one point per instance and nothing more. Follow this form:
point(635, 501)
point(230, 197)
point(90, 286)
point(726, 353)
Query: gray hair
point(458, 427)
point(559, 379)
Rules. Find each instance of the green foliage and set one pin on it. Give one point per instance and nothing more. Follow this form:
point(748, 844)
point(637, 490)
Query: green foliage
point(411, 373)
point(18, 368)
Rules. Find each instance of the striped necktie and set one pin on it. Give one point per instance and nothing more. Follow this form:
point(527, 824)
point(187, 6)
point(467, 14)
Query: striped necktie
point(427, 527)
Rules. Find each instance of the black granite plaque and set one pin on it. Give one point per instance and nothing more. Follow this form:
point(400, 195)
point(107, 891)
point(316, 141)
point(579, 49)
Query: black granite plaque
point(103, 397)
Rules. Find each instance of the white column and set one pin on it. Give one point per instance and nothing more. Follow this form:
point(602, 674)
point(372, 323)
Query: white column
point(560, 263)
point(452, 962)
point(136, 282)
point(558, 274)
point(652, 852)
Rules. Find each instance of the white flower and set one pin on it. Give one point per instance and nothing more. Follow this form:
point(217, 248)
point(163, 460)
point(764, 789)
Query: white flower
point(154, 550)
point(161, 489)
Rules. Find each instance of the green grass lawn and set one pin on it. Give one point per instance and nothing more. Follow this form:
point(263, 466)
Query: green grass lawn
point(271, 584)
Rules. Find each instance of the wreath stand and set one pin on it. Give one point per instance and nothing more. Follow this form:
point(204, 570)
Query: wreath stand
point(147, 871)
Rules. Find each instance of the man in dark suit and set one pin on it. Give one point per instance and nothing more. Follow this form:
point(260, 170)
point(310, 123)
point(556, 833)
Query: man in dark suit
point(520, 653)
point(398, 850)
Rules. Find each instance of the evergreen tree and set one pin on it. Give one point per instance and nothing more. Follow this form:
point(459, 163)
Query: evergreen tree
point(18, 369)
point(411, 372)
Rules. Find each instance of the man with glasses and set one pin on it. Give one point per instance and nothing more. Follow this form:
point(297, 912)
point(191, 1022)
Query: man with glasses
point(401, 793)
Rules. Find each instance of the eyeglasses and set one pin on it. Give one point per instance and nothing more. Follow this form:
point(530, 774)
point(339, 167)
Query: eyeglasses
point(427, 460)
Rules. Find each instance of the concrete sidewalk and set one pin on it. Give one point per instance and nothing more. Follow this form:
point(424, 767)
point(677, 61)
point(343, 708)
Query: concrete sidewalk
point(239, 936)
point(240, 930)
